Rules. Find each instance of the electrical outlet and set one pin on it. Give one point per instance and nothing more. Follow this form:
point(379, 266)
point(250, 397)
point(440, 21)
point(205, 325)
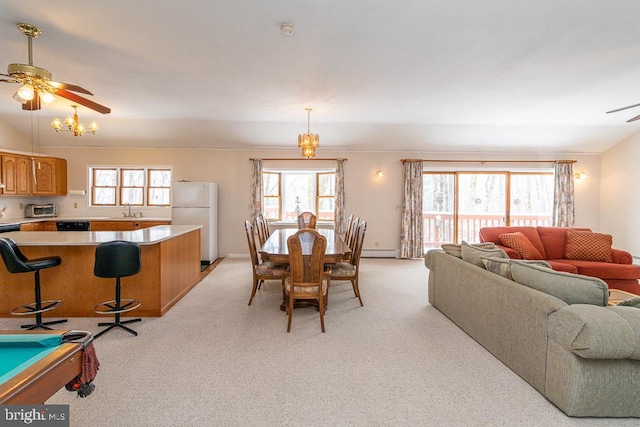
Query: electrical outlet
point(398, 207)
point(75, 205)
point(376, 244)
point(21, 206)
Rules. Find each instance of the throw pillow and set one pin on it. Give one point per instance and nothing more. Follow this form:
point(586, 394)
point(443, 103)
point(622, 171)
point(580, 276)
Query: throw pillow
point(520, 243)
point(454, 249)
point(498, 266)
point(570, 288)
point(588, 246)
point(631, 302)
point(474, 254)
point(503, 266)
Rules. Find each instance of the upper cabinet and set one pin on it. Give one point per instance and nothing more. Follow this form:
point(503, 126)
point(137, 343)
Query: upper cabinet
point(37, 175)
point(50, 176)
point(16, 174)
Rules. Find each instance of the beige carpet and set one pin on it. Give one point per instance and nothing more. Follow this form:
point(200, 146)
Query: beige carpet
point(214, 361)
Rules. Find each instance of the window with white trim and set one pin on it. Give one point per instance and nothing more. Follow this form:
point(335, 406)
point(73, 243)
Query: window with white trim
point(133, 185)
point(287, 193)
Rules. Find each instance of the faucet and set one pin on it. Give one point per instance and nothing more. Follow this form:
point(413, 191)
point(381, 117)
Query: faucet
point(125, 214)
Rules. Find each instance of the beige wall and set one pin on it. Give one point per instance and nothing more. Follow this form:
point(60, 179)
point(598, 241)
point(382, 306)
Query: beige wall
point(372, 199)
point(11, 139)
point(620, 205)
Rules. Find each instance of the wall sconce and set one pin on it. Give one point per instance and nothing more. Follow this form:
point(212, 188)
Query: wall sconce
point(379, 173)
point(580, 175)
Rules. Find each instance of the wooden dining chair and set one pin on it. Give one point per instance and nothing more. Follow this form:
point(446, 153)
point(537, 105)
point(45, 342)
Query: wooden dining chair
point(261, 270)
point(351, 241)
point(307, 278)
point(347, 229)
point(261, 230)
point(306, 220)
point(350, 270)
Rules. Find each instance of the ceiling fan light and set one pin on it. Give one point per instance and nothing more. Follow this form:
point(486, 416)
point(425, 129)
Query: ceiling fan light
point(26, 92)
point(93, 127)
point(47, 97)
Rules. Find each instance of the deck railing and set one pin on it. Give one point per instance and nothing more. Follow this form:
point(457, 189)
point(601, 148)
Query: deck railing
point(438, 227)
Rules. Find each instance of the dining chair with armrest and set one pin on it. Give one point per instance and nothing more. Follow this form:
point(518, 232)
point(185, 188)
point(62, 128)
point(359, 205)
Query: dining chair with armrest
point(350, 270)
point(261, 271)
point(307, 278)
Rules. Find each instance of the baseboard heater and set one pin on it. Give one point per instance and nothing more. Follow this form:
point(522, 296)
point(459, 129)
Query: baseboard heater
point(380, 253)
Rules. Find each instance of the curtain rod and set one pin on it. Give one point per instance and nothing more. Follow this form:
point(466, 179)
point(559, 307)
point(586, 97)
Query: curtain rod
point(488, 161)
point(304, 160)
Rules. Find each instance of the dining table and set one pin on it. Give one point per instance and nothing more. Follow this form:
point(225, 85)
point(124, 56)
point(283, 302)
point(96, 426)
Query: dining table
point(275, 248)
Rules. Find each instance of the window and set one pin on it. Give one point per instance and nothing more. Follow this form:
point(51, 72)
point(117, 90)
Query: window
point(137, 186)
point(457, 204)
point(272, 202)
point(288, 193)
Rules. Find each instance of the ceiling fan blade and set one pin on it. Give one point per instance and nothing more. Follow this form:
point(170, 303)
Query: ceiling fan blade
point(33, 104)
point(633, 119)
point(9, 80)
point(83, 101)
point(623, 108)
point(67, 86)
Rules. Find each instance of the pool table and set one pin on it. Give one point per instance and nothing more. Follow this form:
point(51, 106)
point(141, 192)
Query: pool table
point(34, 365)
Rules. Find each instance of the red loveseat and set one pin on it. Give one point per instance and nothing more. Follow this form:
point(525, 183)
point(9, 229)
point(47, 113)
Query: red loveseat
point(551, 242)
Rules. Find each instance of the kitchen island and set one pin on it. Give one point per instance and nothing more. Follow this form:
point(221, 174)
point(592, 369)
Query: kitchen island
point(170, 269)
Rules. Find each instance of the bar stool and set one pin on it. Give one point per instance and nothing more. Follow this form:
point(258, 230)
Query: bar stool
point(117, 259)
point(16, 262)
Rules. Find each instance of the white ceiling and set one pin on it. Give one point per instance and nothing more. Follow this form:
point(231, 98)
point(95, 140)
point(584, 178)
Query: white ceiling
point(427, 75)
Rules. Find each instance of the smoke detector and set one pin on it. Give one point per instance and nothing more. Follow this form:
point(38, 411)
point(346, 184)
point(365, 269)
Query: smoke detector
point(286, 29)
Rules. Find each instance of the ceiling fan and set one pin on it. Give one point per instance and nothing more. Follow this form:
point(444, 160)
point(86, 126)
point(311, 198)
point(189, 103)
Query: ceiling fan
point(37, 85)
point(633, 119)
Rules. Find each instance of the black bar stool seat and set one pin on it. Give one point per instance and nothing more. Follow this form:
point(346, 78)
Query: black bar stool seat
point(117, 259)
point(17, 262)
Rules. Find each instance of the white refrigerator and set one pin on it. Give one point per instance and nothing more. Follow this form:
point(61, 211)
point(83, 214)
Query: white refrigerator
point(196, 203)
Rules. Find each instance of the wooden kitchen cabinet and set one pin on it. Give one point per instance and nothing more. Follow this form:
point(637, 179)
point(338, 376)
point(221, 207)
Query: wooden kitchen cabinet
point(16, 174)
point(50, 176)
point(39, 226)
point(124, 225)
point(38, 175)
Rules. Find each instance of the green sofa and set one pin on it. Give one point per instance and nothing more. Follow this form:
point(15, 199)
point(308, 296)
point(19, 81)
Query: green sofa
point(583, 355)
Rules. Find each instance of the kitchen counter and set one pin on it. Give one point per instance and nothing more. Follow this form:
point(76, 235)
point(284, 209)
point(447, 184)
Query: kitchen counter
point(78, 218)
point(170, 260)
point(143, 236)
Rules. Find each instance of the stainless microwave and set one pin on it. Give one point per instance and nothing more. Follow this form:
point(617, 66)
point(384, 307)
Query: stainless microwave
point(41, 211)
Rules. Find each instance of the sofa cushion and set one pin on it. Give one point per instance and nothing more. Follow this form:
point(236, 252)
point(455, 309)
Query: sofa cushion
point(563, 265)
point(454, 248)
point(596, 332)
point(474, 254)
point(605, 270)
point(588, 246)
point(521, 244)
point(554, 240)
point(570, 288)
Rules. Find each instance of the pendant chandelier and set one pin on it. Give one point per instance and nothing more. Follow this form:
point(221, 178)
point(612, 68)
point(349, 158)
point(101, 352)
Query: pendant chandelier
point(72, 125)
point(308, 141)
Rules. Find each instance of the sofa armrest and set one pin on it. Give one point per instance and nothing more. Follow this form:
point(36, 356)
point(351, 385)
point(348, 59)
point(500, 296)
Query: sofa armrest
point(594, 332)
point(621, 257)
